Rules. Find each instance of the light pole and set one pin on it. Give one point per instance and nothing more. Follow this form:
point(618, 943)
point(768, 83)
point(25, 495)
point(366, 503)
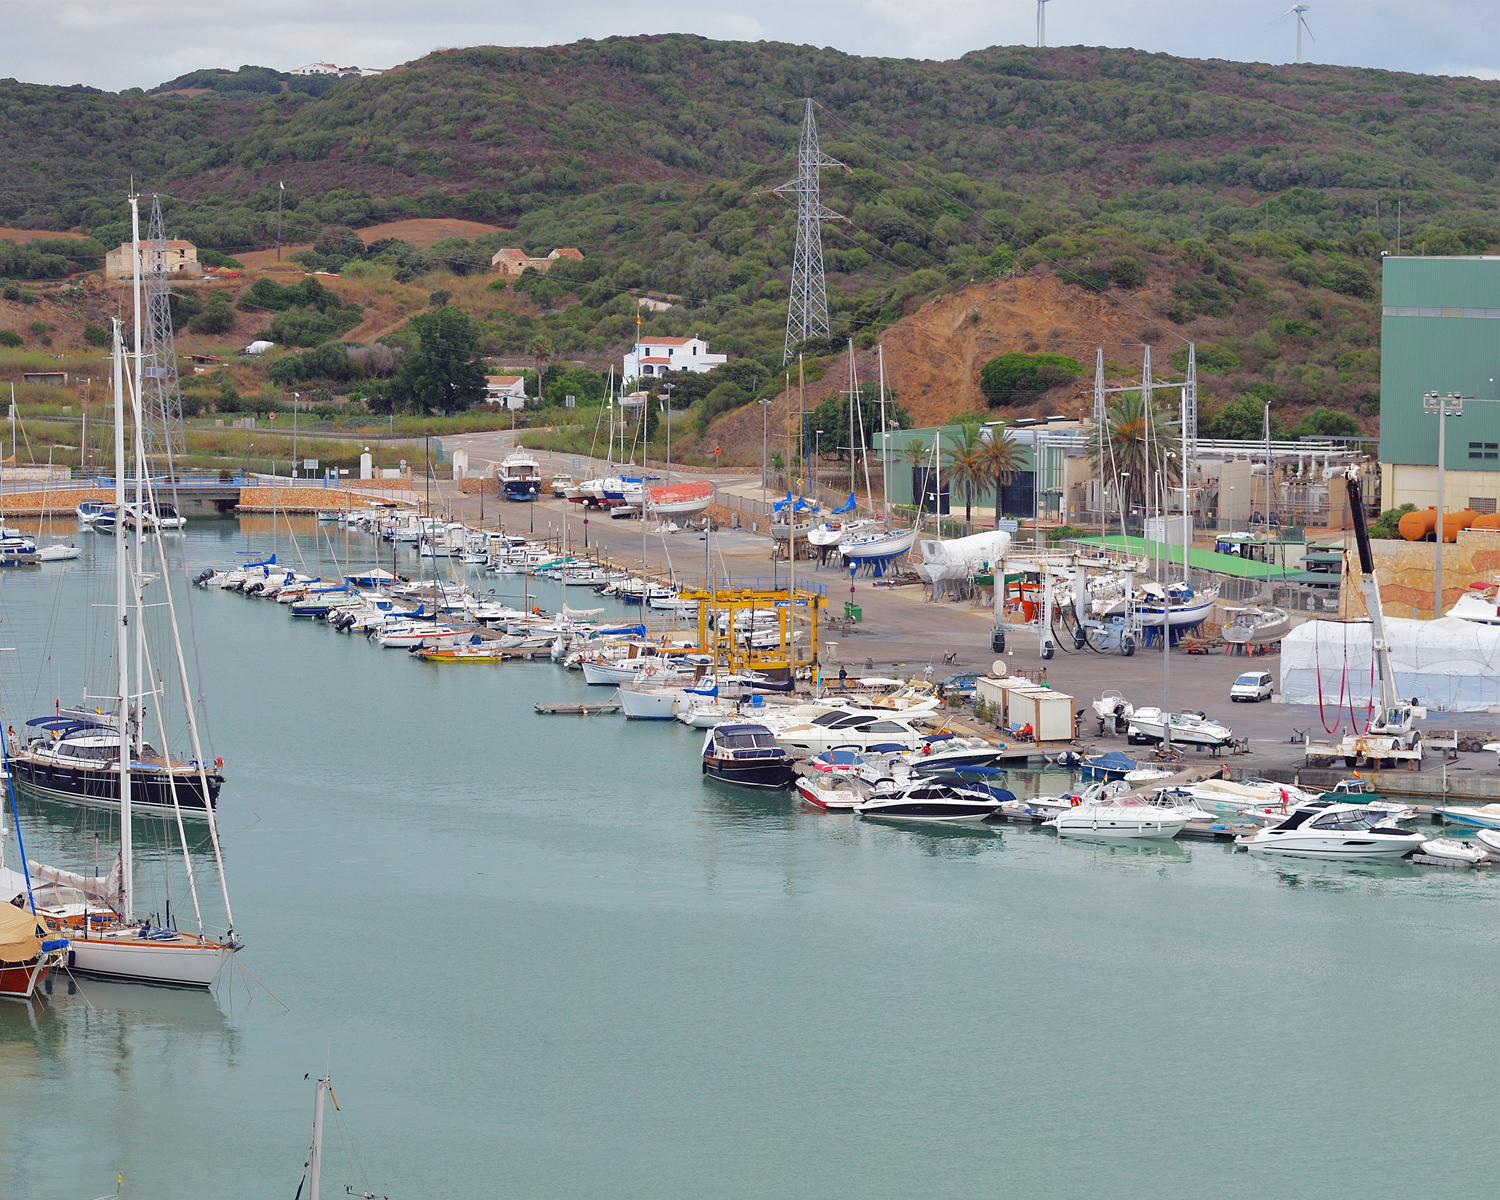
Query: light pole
point(1451, 405)
point(245, 468)
point(666, 413)
point(295, 397)
point(765, 427)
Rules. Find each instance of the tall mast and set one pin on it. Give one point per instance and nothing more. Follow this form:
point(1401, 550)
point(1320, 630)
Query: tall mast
point(122, 631)
point(885, 441)
point(851, 419)
point(140, 512)
point(315, 1155)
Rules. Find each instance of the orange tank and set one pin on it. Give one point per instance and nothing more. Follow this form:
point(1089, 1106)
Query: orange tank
point(1487, 521)
point(1418, 526)
point(1453, 522)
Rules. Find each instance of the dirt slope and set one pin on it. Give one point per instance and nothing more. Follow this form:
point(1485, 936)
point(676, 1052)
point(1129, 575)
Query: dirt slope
point(934, 355)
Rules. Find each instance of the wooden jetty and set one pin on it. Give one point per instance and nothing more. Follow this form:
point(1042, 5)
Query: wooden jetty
point(578, 710)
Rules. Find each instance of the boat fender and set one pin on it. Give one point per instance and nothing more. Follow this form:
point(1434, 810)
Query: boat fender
point(1076, 800)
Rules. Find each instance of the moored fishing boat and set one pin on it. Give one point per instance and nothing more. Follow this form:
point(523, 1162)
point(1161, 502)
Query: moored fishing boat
point(520, 476)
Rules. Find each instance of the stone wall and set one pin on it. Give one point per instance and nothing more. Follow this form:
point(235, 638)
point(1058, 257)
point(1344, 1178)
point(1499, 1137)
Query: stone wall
point(473, 485)
point(1406, 570)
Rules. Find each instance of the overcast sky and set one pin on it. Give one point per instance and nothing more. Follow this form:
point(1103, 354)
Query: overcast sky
point(140, 43)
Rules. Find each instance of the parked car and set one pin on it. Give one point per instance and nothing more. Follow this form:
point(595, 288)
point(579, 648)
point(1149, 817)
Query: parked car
point(965, 685)
point(1253, 686)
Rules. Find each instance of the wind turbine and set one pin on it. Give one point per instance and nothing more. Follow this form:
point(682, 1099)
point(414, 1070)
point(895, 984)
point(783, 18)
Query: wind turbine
point(1041, 23)
point(1302, 24)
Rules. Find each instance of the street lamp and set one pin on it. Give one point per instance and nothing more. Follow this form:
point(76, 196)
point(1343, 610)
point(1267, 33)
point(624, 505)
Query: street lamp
point(765, 427)
point(295, 397)
point(245, 467)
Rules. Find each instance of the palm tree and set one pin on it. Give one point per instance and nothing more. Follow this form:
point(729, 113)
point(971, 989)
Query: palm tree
point(968, 468)
point(1127, 452)
point(1002, 460)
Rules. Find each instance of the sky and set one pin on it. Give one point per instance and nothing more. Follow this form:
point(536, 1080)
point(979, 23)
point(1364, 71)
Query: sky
point(140, 43)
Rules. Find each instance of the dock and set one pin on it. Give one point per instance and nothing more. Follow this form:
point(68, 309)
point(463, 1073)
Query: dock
point(577, 710)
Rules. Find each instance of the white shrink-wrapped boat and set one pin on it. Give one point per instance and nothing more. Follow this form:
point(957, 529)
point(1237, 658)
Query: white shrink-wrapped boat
point(961, 558)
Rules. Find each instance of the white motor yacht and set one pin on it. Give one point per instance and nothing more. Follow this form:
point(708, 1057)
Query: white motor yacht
point(1190, 729)
point(1122, 818)
point(841, 727)
point(1332, 830)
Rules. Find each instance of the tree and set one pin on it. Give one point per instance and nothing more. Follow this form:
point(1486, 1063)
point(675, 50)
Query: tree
point(1136, 444)
point(968, 468)
point(443, 373)
point(1244, 419)
point(1002, 459)
point(217, 315)
point(1019, 378)
point(541, 349)
point(1325, 422)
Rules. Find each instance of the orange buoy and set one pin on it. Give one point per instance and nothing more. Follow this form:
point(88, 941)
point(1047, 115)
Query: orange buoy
point(1418, 526)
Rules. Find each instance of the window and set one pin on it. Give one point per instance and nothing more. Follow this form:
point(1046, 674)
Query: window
point(1482, 504)
point(1484, 450)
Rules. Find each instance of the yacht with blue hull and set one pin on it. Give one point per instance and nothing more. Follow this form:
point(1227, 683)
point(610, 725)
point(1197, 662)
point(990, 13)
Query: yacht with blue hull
point(76, 762)
point(520, 476)
point(747, 755)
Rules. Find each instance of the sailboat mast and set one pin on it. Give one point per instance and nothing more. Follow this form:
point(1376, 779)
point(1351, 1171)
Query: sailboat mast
point(140, 513)
point(885, 441)
point(122, 632)
point(851, 419)
point(315, 1156)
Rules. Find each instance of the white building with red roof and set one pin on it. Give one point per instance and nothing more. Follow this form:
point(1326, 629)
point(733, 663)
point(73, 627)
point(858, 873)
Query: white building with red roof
point(509, 390)
point(656, 356)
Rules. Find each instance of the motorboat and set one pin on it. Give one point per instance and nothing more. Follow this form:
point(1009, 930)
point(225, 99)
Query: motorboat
point(475, 650)
point(648, 700)
point(1190, 729)
point(1110, 765)
point(1486, 817)
point(929, 801)
point(1256, 626)
point(1333, 830)
point(18, 552)
point(403, 635)
point(747, 755)
point(1460, 853)
point(1113, 710)
point(520, 476)
point(73, 761)
point(941, 752)
point(834, 792)
point(1047, 807)
point(1131, 817)
point(1478, 605)
point(1141, 775)
point(1359, 791)
point(90, 511)
point(1246, 795)
point(842, 727)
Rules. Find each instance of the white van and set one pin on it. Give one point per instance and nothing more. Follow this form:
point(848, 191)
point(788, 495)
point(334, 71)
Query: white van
point(1252, 686)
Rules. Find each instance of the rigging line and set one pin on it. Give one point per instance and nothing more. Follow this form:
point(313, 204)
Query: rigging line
point(171, 777)
point(237, 962)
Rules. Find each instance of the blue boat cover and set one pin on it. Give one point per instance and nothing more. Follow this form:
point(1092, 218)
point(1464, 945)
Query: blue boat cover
point(1112, 761)
point(847, 505)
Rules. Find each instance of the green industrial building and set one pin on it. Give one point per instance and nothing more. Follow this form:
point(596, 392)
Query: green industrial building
point(1440, 332)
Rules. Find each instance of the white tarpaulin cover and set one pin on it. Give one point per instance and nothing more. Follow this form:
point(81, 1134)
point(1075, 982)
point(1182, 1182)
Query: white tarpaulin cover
point(1449, 665)
point(961, 558)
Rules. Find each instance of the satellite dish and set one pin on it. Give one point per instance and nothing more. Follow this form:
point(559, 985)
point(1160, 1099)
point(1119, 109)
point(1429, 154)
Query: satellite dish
point(997, 668)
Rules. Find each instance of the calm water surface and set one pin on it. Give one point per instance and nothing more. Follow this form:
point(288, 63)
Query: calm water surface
point(545, 959)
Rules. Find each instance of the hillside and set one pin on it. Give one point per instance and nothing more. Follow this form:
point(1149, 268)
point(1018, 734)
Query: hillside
point(1008, 199)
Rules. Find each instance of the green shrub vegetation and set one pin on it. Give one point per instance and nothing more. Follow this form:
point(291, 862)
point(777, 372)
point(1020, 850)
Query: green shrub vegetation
point(1019, 378)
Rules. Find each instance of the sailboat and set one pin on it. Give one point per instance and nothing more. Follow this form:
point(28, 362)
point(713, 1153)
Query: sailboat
point(839, 526)
point(875, 547)
point(112, 941)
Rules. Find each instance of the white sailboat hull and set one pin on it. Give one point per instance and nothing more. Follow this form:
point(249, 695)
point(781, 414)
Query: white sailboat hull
point(886, 545)
point(182, 961)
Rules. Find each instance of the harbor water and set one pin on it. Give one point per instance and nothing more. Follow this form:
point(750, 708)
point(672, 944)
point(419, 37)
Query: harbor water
point(542, 957)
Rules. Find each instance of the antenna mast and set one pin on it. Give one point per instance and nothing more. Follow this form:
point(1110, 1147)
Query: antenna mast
point(1041, 24)
point(807, 306)
point(161, 398)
